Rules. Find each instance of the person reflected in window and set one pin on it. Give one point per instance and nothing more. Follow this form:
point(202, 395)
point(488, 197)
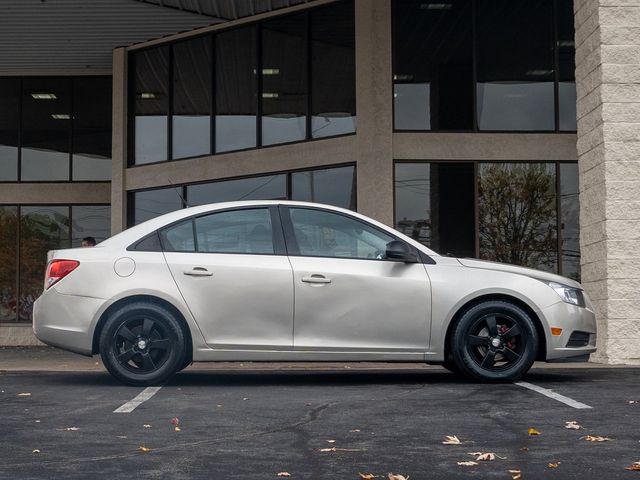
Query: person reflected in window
point(88, 242)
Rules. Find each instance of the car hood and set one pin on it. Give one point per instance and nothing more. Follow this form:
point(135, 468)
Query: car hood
point(529, 272)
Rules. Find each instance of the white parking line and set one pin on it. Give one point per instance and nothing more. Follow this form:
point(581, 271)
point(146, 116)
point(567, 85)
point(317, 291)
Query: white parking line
point(131, 405)
point(551, 394)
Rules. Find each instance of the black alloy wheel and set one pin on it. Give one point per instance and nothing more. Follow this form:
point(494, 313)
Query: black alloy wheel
point(494, 341)
point(142, 344)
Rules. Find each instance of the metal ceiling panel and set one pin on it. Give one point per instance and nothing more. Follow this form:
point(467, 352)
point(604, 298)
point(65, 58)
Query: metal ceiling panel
point(226, 9)
point(38, 35)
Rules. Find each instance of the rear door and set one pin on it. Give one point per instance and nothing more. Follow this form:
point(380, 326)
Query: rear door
point(231, 269)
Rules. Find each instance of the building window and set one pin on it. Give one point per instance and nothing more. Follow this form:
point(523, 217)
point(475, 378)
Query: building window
point(191, 111)
point(27, 233)
point(480, 65)
point(55, 129)
point(333, 89)
point(236, 89)
point(9, 128)
point(333, 186)
point(508, 212)
point(275, 82)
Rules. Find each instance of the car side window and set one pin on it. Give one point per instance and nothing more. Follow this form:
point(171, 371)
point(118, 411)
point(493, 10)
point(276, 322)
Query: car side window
point(327, 234)
point(178, 237)
point(235, 231)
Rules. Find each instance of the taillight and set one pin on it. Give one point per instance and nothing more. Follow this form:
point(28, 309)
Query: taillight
point(57, 270)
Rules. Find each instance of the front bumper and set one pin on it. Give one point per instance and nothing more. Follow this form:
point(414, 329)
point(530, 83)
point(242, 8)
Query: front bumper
point(66, 321)
point(571, 319)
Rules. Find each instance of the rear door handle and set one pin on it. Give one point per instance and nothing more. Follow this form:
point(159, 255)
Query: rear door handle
point(315, 278)
point(198, 272)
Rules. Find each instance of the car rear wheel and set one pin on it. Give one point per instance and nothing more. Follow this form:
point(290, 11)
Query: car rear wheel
point(142, 344)
point(494, 341)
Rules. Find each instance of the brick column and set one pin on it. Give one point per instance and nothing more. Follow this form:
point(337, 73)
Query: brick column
point(608, 109)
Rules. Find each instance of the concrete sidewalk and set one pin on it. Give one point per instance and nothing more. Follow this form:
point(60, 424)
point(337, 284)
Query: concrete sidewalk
point(48, 359)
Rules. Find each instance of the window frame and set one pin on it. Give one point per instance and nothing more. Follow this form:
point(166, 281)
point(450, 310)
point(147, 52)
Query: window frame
point(293, 250)
point(277, 233)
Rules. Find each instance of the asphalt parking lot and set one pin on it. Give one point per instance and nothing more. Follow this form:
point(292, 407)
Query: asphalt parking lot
point(318, 422)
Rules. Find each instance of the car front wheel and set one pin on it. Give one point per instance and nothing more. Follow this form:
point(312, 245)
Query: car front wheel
point(494, 341)
point(142, 344)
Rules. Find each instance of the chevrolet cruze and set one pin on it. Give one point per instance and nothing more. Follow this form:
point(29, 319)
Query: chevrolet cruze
point(293, 281)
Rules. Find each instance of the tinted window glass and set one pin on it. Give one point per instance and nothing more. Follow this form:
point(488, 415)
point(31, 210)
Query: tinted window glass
point(192, 98)
point(236, 89)
point(9, 123)
point(333, 97)
point(570, 215)
point(515, 65)
point(433, 73)
point(151, 104)
point(269, 187)
point(46, 129)
point(178, 238)
point(284, 79)
point(8, 262)
point(239, 231)
point(90, 221)
point(325, 234)
point(42, 229)
point(333, 186)
point(566, 66)
point(435, 205)
point(517, 214)
point(92, 129)
point(152, 203)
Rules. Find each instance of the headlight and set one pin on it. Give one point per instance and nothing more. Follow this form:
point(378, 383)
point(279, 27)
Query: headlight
point(568, 294)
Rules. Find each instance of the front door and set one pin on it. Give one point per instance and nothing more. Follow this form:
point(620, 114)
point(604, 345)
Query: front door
point(236, 284)
point(348, 297)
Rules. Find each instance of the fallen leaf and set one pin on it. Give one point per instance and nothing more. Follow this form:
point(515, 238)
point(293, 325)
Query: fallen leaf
point(175, 421)
point(37, 421)
point(331, 441)
point(68, 429)
point(451, 440)
point(524, 449)
point(146, 426)
point(467, 464)
point(533, 431)
point(121, 436)
point(486, 457)
point(177, 429)
point(35, 451)
point(284, 474)
point(395, 476)
point(335, 449)
point(307, 404)
point(218, 406)
point(596, 438)
point(245, 398)
point(354, 431)
point(633, 401)
point(516, 474)
point(553, 465)
point(367, 476)
point(572, 425)
point(634, 467)
point(24, 394)
point(144, 449)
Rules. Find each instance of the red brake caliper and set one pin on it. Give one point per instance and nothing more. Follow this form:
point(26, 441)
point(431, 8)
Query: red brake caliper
point(504, 329)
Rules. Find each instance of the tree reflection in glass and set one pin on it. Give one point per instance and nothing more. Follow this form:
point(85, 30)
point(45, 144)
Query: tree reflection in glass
point(517, 214)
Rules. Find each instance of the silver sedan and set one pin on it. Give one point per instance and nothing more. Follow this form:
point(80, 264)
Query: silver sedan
point(293, 281)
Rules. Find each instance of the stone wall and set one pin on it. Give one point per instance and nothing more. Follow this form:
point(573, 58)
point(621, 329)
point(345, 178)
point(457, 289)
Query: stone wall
point(608, 87)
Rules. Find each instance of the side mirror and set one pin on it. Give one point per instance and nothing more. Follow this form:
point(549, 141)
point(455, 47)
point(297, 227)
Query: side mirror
point(400, 252)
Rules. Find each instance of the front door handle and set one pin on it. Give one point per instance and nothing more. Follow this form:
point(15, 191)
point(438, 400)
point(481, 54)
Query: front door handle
point(315, 278)
point(198, 272)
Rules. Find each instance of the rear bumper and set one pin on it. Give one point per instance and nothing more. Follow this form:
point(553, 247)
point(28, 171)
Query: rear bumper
point(66, 321)
point(571, 319)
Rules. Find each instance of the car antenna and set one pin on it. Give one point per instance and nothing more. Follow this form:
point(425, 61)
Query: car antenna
point(175, 187)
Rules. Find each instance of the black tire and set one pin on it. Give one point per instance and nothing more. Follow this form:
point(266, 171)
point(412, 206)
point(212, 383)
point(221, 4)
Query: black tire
point(494, 341)
point(142, 344)
point(452, 367)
